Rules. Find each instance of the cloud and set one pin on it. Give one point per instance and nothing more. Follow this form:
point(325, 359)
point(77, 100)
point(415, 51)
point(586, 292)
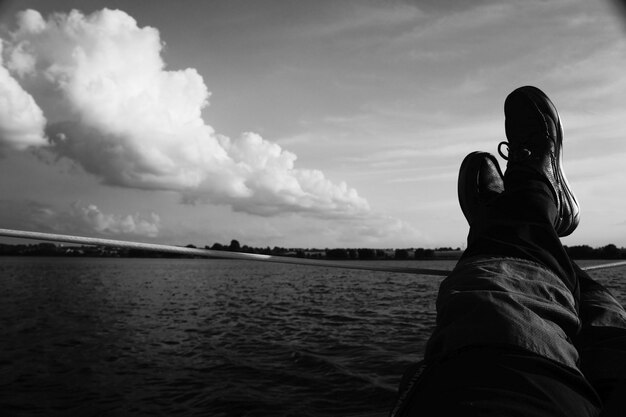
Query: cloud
point(100, 222)
point(21, 121)
point(100, 87)
point(380, 231)
point(78, 218)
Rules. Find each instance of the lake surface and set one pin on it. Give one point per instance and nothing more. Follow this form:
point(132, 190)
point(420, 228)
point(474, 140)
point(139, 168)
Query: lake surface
point(186, 337)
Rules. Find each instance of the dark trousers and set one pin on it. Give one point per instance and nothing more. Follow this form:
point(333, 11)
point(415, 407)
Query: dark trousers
point(521, 330)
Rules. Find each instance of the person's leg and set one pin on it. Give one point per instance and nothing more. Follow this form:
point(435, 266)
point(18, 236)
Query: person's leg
point(519, 224)
point(507, 314)
point(496, 382)
point(601, 343)
point(537, 205)
point(505, 321)
point(514, 285)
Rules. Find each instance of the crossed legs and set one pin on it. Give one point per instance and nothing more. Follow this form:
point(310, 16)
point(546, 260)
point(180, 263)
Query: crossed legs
point(521, 330)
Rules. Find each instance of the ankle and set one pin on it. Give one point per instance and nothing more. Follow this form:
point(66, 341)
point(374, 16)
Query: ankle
point(526, 178)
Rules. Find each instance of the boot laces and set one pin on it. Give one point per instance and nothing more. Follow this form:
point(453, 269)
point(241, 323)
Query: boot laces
point(514, 154)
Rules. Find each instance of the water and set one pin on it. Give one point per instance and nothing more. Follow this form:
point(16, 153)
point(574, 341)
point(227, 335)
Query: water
point(155, 337)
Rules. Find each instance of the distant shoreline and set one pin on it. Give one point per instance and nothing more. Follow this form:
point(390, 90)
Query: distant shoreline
point(608, 252)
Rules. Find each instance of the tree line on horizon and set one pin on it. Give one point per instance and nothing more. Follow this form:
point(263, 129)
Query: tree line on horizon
point(609, 251)
point(341, 253)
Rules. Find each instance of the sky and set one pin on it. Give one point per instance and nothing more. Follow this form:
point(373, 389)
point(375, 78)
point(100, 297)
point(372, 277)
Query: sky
point(294, 123)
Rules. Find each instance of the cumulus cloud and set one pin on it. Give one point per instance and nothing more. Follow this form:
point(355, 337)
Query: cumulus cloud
point(100, 222)
point(100, 87)
point(78, 218)
point(22, 122)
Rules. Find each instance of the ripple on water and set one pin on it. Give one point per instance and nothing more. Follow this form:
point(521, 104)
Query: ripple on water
point(209, 337)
